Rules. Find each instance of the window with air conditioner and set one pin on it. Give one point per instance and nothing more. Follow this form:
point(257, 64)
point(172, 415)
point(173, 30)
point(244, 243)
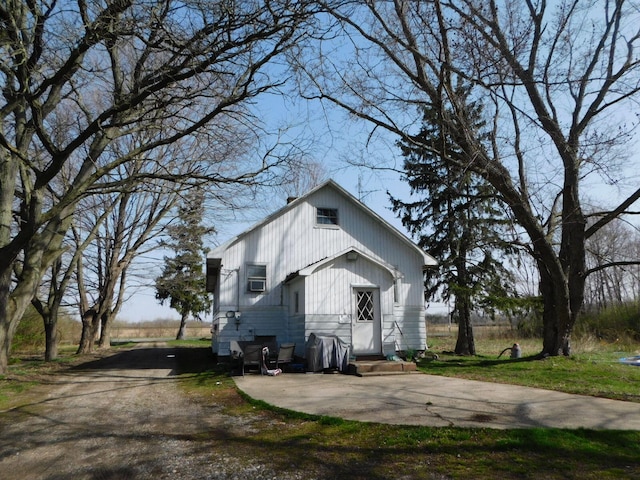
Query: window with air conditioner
point(256, 278)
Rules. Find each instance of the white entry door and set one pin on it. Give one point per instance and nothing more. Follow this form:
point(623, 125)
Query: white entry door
point(366, 334)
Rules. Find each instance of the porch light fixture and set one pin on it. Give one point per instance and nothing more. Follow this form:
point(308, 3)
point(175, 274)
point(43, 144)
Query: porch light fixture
point(352, 256)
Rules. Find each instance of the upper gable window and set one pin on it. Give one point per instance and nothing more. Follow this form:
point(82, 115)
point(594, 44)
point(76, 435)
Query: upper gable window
point(327, 216)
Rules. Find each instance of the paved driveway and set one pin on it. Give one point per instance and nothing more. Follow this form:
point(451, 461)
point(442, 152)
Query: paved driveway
point(419, 399)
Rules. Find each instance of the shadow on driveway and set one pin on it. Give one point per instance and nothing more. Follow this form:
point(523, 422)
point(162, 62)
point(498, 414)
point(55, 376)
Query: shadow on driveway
point(178, 360)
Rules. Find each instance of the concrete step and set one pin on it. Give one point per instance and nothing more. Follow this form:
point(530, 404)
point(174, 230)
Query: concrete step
point(380, 367)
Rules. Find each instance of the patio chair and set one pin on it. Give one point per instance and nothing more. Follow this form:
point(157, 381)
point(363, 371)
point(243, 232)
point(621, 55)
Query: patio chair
point(285, 355)
point(252, 357)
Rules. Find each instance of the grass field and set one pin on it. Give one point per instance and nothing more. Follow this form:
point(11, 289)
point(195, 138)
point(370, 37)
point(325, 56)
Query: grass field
point(593, 369)
point(165, 330)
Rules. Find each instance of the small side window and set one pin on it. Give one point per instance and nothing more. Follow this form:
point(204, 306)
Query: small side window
point(327, 216)
point(256, 278)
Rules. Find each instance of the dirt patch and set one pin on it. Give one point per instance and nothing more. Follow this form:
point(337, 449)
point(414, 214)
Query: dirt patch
point(124, 416)
point(482, 418)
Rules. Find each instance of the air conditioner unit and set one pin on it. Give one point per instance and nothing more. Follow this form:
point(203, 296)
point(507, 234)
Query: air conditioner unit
point(257, 285)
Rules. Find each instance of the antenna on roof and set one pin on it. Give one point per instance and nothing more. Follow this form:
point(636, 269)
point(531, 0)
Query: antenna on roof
point(362, 194)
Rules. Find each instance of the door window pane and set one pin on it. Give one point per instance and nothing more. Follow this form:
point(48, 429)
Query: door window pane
point(365, 306)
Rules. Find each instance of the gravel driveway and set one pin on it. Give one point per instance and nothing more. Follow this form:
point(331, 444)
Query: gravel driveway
point(124, 416)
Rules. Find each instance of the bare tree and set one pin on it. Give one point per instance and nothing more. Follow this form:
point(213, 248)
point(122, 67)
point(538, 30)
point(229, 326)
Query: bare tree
point(75, 76)
point(52, 296)
point(612, 264)
point(111, 230)
point(108, 232)
point(555, 80)
point(127, 232)
point(303, 177)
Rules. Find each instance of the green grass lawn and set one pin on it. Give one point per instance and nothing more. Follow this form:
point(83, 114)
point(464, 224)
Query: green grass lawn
point(594, 369)
point(333, 448)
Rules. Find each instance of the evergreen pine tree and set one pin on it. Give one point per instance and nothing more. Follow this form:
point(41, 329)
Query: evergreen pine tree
point(458, 220)
point(183, 281)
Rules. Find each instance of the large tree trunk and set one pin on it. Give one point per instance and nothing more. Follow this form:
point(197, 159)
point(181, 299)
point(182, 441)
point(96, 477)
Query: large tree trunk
point(7, 327)
point(49, 311)
point(50, 319)
point(13, 304)
point(105, 330)
point(51, 339)
point(465, 344)
point(37, 255)
point(9, 321)
point(557, 320)
point(557, 331)
point(5, 345)
point(90, 326)
point(49, 314)
point(562, 283)
point(112, 308)
point(183, 327)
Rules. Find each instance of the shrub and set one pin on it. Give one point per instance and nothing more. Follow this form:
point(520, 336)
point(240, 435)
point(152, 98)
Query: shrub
point(613, 324)
point(29, 335)
point(530, 327)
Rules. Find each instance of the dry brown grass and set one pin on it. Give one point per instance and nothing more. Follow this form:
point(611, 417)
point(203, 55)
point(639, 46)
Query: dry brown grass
point(492, 339)
point(133, 331)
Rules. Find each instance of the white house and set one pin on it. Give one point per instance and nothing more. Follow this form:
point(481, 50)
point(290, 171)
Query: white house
point(324, 264)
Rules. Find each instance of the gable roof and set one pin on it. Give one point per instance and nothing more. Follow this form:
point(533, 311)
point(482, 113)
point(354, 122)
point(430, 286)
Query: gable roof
point(428, 260)
point(310, 269)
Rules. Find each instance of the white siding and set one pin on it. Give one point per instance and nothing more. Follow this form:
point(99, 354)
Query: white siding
point(290, 241)
point(330, 289)
point(410, 331)
point(253, 321)
point(327, 325)
point(296, 333)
